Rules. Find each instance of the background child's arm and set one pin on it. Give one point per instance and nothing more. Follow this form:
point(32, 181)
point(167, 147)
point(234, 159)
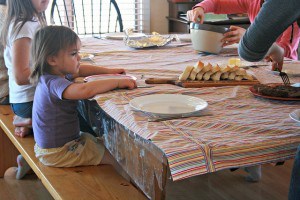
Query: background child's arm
point(78, 91)
point(88, 70)
point(20, 60)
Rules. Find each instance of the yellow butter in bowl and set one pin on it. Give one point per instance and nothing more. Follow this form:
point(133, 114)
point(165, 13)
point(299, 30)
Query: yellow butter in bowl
point(234, 62)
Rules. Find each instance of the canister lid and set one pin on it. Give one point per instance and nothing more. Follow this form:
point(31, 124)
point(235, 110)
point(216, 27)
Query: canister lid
point(208, 27)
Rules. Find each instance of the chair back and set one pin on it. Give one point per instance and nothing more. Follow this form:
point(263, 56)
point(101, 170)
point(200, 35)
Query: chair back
point(87, 17)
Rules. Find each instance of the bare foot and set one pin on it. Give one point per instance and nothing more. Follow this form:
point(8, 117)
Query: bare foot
point(20, 121)
point(22, 131)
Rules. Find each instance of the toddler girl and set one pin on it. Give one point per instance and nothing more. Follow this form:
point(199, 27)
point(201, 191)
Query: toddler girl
point(59, 142)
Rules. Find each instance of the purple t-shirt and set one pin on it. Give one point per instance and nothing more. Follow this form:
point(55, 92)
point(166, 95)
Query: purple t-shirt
point(54, 119)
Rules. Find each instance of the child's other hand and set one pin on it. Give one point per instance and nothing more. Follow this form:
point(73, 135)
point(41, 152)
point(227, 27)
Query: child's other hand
point(127, 83)
point(233, 36)
point(196, 15)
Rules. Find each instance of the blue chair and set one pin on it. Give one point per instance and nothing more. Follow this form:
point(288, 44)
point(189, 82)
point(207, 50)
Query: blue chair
point(87, 17)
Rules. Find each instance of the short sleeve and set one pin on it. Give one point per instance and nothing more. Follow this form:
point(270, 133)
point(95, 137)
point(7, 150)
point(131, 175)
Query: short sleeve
point(27, 31)
point(57, 86)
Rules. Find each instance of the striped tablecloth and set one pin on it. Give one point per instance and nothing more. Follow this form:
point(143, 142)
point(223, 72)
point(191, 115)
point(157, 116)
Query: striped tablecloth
point(243, 130)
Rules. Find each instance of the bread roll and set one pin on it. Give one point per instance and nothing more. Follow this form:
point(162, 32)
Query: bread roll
point(238, 78)
point(207, 67)
point(215, 69)
point(225, 75)
point(186, 73)
point(231, 75)
point(224, 69)
point(207, 75)
point(241, 72)
point(234, 68)
point(216, 76)
point(193, 74)
point(200, 76)
point(199, 66)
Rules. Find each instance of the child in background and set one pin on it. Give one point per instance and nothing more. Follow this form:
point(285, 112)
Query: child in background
point(288, 41)
point(4, 100)
point(23, 18)
point(59, 142)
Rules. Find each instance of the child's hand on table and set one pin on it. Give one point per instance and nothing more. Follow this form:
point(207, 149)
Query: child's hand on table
point(127, 83)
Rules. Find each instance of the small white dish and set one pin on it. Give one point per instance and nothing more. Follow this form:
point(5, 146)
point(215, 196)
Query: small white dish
point(291, 69)
point(168, 104)
point(120, 36)
point(107, 76)
point(295, 115)
point(296, 85)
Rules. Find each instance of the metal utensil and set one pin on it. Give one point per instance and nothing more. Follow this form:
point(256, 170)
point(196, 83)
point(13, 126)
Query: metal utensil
point(284, 78)
point(145, 86)
point(159, 119)
point(253, 66)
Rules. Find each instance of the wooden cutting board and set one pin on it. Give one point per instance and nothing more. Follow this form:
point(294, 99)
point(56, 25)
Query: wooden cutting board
point(198, 84)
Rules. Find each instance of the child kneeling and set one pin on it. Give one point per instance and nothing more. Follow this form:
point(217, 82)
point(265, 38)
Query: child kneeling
point(59, 142)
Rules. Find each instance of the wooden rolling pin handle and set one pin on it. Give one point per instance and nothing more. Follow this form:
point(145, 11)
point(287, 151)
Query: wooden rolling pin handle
point(159, 81)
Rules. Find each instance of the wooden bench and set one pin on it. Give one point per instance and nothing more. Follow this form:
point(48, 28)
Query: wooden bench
point(89, 182)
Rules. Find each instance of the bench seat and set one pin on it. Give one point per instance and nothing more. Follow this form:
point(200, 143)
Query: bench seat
point(88, 182)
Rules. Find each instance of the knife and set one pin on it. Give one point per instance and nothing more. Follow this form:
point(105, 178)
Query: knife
point(160, 81)
point(159, 119)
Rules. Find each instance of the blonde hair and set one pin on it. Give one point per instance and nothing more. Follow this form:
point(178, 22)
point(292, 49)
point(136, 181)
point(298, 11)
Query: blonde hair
point(20, 12)
point(48, 41)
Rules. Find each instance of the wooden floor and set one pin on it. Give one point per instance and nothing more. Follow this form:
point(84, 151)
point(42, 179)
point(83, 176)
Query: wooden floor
point(223, 185)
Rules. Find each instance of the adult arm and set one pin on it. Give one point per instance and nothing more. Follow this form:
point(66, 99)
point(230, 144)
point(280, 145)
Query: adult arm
point(224, 6)
point(273, 18)
point(218, 7)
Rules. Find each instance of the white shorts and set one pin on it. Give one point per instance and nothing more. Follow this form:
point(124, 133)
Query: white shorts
point(86, 150)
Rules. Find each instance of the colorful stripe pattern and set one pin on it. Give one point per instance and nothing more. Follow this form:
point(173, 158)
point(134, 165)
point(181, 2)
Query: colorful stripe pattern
point(244, 130)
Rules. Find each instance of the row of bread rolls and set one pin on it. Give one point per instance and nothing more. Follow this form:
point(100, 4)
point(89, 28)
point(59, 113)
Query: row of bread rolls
point(207, 72)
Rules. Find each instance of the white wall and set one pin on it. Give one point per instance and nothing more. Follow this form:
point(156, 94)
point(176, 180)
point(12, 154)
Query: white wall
point(159, 9)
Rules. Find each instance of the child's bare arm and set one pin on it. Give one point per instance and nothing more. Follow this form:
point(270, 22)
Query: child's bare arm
point(88, 70)
point(20, 60)
point(78, 91)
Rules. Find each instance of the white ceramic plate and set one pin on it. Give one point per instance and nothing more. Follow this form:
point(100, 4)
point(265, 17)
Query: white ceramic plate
point(120, 36)
point(107, 76)
point(295, 115)
point(168, 104)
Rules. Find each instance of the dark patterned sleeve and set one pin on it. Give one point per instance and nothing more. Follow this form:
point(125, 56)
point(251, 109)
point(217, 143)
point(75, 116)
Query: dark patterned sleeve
point(274, 17)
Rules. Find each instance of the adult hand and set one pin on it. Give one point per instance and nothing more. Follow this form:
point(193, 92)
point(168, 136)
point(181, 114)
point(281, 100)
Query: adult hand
point(196, 15)
point(276, 56)
point(127, 83)
point(233, 36)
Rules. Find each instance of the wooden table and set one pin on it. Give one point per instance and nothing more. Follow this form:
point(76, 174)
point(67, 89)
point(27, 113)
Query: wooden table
point(243, 131)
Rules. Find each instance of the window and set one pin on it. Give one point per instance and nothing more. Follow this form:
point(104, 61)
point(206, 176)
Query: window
point(92, 16)
point(135, 14)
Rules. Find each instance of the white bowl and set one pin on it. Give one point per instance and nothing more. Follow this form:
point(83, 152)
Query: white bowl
point(207, 38)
